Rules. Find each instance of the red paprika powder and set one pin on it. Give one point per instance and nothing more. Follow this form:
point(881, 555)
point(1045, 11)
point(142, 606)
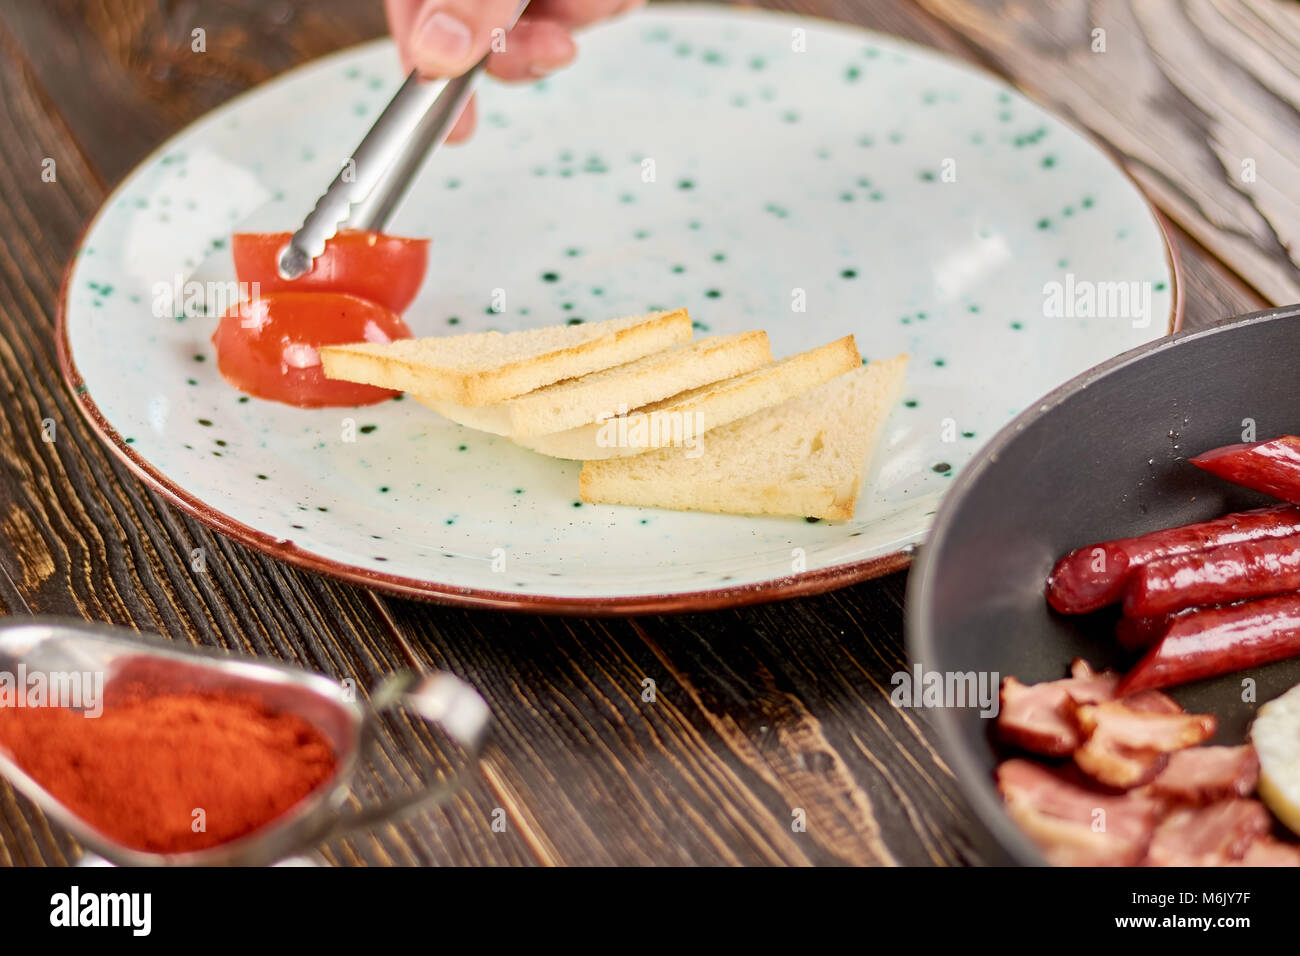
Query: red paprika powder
point(142, 770)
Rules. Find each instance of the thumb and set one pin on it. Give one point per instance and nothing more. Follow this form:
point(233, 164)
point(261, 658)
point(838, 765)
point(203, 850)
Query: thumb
point(450, 36)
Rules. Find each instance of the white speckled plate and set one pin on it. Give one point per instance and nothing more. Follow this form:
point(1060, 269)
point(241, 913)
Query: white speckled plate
point(821, 177)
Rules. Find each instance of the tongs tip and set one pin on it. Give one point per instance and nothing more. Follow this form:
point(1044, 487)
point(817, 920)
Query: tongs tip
point(292, 262)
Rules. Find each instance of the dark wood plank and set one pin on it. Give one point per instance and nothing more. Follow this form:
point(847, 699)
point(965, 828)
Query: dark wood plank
point(1199, 97)
point(757, 713)
point(125, 73)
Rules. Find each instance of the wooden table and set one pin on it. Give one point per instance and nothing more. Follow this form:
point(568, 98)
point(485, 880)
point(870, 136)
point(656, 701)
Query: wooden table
point(760, 712)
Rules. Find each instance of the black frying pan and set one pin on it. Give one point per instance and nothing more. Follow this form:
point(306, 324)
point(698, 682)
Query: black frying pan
point(1104, 456)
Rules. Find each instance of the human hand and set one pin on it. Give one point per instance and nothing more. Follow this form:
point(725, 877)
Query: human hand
point(446, 37)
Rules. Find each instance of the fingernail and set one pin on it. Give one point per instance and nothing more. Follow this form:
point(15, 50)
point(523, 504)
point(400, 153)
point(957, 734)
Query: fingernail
point(442, 40)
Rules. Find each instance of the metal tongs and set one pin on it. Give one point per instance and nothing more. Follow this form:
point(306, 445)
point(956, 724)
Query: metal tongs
point(371, 184)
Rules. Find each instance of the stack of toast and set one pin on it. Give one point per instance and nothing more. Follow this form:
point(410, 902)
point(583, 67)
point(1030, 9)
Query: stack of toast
point(658, 418)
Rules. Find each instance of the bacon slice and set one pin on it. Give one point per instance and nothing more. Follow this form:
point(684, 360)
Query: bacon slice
point(1152, 702)
point(1087, 686)
point(1032, 717)
point(1203, 775)
point(1073, 825)
point(1039, 717)
point(1128, 741)
point(1216, 835)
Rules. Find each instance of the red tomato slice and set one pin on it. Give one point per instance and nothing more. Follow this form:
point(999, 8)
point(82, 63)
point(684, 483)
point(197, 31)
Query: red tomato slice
point(267, 347)
point(383, 269)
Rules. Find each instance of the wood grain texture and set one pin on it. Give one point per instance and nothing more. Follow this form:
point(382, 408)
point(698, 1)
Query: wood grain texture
point(138, 58)
point(1200, 98)
point(760, 716)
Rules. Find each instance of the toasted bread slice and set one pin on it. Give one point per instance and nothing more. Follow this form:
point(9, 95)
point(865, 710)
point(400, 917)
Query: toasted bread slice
point(805, 457)
point(579, 401)
point(682, 418)
point(486, 367)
